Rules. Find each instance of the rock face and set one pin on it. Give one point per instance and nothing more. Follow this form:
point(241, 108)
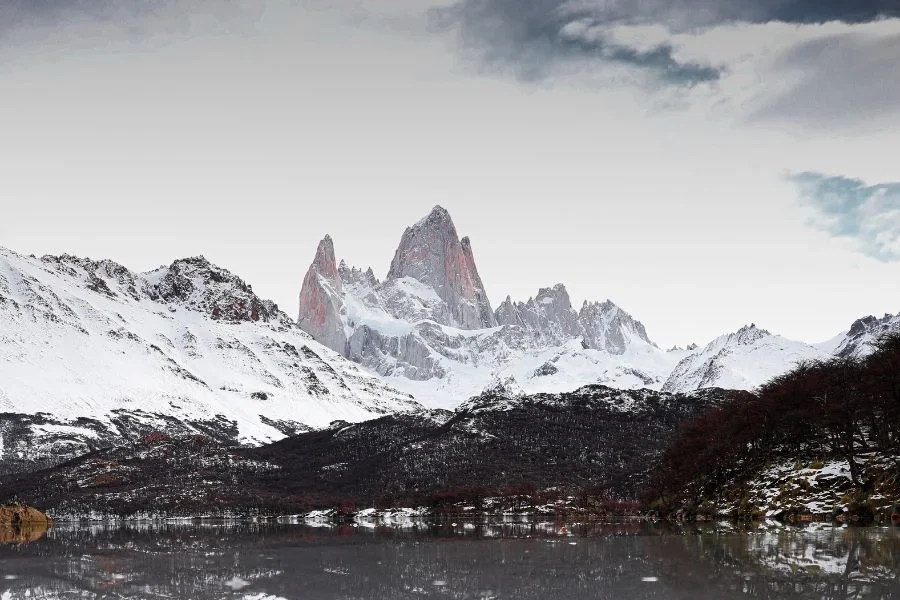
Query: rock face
point(432, 253)
point(863, 332)
point(550, 320)
point(320, 299)
point(21, 515)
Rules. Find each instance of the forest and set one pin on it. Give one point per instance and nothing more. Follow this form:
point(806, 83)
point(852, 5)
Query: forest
point(845, 409)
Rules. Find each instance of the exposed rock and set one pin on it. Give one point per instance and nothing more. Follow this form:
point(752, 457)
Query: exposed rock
point(863, 332)
point(431, 252)
point(21, 515)
point(608, 327)
point(320, 299)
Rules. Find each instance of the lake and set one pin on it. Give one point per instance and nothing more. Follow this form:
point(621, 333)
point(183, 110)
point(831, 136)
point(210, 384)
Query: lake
point(451, 560)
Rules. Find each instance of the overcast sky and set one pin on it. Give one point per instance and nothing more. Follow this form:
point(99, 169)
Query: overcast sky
point(702, 163)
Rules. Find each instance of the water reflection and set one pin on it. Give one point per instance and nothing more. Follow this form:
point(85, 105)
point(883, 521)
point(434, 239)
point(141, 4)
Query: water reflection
point(22, 534)
point(453, 560)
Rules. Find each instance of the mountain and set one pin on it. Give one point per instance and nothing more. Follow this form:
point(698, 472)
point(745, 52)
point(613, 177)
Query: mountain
point(91, 352)
point(431, 252)
point(595, 438)
point(430, 330)
point(740, 360)
point(859, 340)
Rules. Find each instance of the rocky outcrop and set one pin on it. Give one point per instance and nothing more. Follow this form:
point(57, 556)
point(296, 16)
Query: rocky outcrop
point(320, 299)
point(548, 317)
point(608, 327)
point(481, 300)
point(863, 333)
point(22, 516)
point(432, 253)
point(550, 320)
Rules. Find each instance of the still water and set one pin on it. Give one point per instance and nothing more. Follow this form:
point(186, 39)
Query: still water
point(506, 561)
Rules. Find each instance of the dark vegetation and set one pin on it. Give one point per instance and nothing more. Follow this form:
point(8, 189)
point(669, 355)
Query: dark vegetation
point(837, 409)
point(40, 441)
point(594, 443)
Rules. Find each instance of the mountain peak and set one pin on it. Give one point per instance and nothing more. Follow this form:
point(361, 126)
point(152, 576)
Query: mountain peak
point(748, 334)
point(320, 298)
point(431, 252)
point(324, 262)
point(438, 214)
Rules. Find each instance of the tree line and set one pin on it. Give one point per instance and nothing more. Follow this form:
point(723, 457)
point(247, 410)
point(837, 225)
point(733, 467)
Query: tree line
point(836, 408)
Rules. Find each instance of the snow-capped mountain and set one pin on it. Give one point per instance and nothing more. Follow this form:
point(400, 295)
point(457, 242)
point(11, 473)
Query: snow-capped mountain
point(859, 339)
point(740, 360)
point(96, 348)
point(430, 330)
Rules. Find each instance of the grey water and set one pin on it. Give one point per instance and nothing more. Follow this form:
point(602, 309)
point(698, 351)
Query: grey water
point(454, 561)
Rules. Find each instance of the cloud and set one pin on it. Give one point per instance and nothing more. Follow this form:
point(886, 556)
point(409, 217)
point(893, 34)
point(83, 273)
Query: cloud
point(841, 80)
point(535, 37)
point(532, 38)
point(97, 22)
point(848, 208)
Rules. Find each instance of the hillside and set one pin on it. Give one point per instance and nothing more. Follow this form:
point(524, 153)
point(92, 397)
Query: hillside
point(92, 353)
point(597, 440)
point(821, 440)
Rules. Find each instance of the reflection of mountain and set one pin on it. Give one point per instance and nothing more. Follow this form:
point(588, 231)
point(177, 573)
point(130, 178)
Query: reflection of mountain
point(818, 563)
point(532, 562)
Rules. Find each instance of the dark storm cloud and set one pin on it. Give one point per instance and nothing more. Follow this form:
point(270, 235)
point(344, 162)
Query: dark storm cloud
point(849, 208)
point(533, 36)
point(842, 80)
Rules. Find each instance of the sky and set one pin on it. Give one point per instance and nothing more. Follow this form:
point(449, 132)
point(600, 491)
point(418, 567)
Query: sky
point(703, 163)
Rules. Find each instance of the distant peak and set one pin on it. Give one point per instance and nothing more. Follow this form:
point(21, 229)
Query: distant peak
point(439, 216)
point(326, 243)
point(197, 262)
point(747, 334)
point(439, 211)
point(324, 262)
point(431, 252)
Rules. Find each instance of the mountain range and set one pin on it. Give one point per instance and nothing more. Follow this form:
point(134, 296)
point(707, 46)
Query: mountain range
point(429, 329)
point(92, 353)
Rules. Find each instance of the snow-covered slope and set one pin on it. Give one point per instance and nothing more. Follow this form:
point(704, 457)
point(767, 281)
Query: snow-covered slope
point(859, 340)
point(189, 342)
point(741, 360)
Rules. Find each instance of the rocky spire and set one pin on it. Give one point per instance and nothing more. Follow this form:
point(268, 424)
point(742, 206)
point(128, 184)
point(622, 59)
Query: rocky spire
point(608, 327)
point(508, 313)
point(325, 264)
point(431, 252)
point(481, 299)
point(320, 299)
